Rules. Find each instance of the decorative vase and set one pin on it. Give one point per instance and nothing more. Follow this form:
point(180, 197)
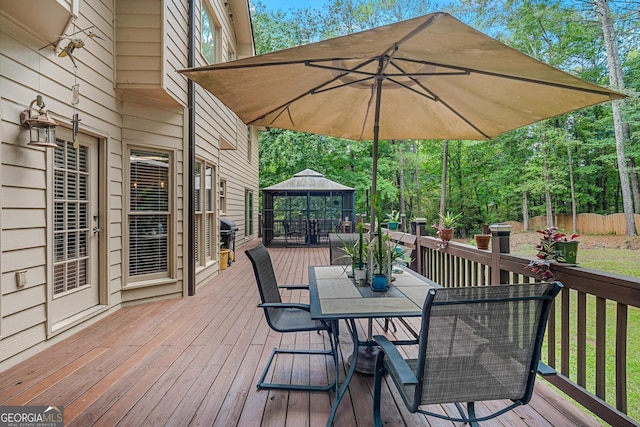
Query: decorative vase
point(360, 276)
point(379, 282)
point(446, 234)
point(568, 251)
point(482, 240)
point(392, 225)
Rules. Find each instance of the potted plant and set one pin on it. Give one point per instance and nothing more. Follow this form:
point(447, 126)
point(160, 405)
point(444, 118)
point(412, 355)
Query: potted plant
point(482, 240)
point(354, 250)
point(446, 226)
point(359, 270)
point(393, 220)
point(558, 246)
point(380, 257)
point(553, 246)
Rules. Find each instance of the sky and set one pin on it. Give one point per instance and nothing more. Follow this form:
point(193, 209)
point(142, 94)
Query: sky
point(293, 4)
point(298, 4)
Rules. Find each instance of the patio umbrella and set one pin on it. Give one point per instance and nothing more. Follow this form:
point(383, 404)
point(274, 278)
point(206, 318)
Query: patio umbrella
point(431, 77)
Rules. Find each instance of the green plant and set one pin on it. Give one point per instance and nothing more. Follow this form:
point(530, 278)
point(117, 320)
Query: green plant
point(361, 245)
point(393, 216)
point(353, 250)
point(379, 248)
point(449, 220)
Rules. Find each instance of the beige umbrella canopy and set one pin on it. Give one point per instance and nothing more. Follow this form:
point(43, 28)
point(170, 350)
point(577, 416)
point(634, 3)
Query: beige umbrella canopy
point(431, 77)
point(439, 78)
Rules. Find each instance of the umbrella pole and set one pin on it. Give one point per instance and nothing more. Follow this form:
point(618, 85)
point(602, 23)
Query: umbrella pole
point(367, 354)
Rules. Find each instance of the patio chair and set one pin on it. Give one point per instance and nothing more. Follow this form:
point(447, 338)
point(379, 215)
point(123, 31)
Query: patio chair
point(292, 230)
point(287, 317)
point(476, 344)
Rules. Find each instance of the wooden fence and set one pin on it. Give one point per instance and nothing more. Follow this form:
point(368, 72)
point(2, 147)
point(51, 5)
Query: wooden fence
point(586, 223)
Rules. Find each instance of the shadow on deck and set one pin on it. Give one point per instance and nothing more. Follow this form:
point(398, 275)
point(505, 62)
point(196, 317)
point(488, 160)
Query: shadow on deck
point(196, 361)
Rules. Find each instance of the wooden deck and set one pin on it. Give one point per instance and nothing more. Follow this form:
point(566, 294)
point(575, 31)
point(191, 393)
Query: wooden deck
point(195, 361)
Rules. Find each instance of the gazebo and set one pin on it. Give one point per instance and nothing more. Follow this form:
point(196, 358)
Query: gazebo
point(303, 210)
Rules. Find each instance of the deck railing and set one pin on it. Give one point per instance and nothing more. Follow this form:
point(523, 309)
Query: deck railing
point(585, 363)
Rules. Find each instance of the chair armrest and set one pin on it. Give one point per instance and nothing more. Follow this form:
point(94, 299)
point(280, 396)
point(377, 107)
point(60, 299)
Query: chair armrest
point(405, 374)
point(298, 306)
point(294, 287)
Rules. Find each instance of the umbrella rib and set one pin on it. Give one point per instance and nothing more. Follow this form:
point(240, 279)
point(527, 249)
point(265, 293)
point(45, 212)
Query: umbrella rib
point(342, 85)
point(429, 95)
point(309, 92)
point(510, 77)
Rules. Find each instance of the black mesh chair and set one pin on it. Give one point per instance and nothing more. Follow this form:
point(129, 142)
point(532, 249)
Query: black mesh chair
point(287, 317)
point(475, 344)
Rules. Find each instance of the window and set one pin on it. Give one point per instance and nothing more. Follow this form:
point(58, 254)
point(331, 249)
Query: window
point(223, 196)
point(149, 216)
point(231, 54)
point(248, 213)
point(249, 143)
point(205, 212)
point(197, 206)
point(208, 35)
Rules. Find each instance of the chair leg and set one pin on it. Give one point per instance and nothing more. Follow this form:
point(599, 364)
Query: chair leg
point(333, 352)
point(377, 389)
point(470, 416)
point(262, 385)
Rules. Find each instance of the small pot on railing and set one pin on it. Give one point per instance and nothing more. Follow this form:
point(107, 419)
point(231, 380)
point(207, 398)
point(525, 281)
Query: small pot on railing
point(567, 251)
point(482, 240)
point(445, 234)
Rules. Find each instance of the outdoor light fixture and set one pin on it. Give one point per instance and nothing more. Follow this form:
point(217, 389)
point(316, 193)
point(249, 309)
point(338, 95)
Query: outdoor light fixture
point(42, 128)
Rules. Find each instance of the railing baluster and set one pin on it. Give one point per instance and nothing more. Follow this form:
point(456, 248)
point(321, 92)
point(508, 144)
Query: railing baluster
point(581, 368)
point(621, 357)
point(601, 346)
point(564, 333)
point(551, 336)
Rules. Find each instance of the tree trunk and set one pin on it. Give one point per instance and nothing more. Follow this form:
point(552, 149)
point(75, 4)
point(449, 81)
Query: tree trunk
point(635, 186)
point(617, 83)
point(574, 213)
point(443, 186)
point(525, 211)
point(418, 197)
point(633, 170)
point(547, 192)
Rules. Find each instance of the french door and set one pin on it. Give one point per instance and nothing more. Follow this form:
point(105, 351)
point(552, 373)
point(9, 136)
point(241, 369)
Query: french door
point(76, 229)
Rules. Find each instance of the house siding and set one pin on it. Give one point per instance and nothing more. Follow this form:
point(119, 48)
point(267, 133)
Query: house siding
point(130, 96)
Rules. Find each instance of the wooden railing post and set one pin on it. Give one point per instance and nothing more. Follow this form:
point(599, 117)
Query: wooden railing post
point(500, 234)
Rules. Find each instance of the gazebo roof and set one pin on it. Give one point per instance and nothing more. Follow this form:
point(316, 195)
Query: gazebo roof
point(308, 180)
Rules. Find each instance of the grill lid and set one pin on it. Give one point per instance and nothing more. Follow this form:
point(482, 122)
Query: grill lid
point(227, 225)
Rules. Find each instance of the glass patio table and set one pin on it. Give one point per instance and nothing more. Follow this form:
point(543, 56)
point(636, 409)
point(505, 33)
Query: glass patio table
point(334, 296)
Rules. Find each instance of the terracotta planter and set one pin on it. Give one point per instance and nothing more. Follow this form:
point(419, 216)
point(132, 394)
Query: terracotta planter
point(482, 240)
point(446, 234)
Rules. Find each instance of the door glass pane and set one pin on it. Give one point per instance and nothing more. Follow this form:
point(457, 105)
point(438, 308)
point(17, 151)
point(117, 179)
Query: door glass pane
point(71, 184)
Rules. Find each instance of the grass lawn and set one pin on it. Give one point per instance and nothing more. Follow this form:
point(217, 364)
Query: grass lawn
point(615, 254)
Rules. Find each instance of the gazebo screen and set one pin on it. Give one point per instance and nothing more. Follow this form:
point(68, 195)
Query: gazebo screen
point(305, 217)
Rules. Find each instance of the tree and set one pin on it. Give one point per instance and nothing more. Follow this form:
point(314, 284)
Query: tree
point(617, 82)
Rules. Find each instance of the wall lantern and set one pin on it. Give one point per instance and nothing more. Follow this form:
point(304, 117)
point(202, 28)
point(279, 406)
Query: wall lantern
point(42, 128)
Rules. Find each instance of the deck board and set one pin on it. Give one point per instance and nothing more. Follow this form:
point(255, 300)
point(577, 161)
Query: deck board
point(195, 361)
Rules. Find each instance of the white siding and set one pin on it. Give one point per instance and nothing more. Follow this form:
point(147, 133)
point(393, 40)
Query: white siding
point(136, 98)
